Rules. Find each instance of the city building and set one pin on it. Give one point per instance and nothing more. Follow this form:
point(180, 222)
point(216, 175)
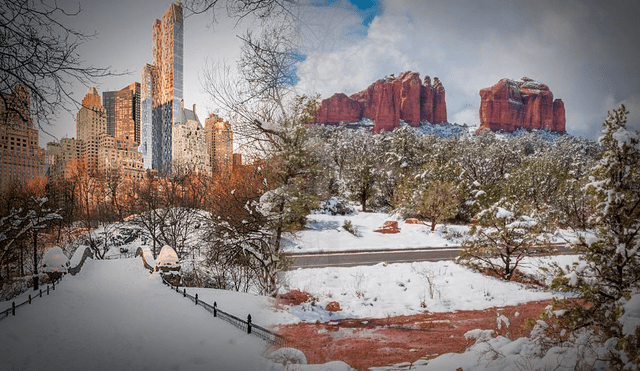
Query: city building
point(123, 112)
point(60, 154)
point(91, 122)
point(99, 151)
point(162, 90)
point(189, 147)
point(21, 158)
point(219, 140)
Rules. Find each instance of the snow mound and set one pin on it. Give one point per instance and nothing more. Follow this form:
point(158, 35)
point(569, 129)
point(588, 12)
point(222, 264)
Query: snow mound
point(54, 260)
point(167, 257)
point(288, 356)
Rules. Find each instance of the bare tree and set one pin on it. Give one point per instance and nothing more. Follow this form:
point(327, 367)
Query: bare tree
point(261, 9)
point(40, 53)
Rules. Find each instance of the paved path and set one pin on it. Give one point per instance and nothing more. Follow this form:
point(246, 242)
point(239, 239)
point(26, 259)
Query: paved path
point(114, 315)
point(355, 258)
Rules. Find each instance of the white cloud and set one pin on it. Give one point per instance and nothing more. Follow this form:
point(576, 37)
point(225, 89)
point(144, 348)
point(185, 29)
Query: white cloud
point(465, 116)
point(569, 46)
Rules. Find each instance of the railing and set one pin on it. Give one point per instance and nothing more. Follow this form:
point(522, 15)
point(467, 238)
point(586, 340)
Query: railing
point(5, 313)
point(245, 325)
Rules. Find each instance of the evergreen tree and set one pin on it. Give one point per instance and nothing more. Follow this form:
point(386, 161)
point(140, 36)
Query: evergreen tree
point(502, 238)
point(607, 277)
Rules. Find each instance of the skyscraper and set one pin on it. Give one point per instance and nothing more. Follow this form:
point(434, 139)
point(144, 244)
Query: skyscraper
point(21, 159)
point(219, 139)
point(162, 90)
point(91, 122)
point(123, 112)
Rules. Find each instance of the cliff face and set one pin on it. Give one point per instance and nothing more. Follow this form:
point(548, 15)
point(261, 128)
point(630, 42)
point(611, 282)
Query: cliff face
point(388, 101)
point(509, 105)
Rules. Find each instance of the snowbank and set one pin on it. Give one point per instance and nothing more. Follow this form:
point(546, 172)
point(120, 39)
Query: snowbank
point(54, 260)
point(407, 288)
point(167, 257)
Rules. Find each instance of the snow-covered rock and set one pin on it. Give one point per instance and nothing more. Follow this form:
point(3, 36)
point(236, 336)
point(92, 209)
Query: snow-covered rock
point(288, 356)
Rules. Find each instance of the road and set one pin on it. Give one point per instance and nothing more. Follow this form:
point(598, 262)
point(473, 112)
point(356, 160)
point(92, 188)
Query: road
point(355, 258)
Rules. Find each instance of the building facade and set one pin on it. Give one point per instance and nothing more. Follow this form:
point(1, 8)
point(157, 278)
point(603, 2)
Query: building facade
point(162, 90)
point(189, 147)
point(91, 122)
point(219, 140)
point(99, 151)
point(21, 158)
point(60, 154)
point(123, 112)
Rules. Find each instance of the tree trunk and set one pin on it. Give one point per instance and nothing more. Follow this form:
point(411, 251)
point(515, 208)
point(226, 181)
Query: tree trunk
point(35, 261)
point(363, 201)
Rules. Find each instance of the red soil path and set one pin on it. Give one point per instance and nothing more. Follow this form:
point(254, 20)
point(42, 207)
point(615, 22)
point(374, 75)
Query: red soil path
point(364, 343)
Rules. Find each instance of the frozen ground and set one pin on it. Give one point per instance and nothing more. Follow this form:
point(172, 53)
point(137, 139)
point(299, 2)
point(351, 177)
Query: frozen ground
point(386, 290)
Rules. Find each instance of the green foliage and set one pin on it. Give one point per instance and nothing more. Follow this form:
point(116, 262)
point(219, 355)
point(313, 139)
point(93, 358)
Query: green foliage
point(434, 200)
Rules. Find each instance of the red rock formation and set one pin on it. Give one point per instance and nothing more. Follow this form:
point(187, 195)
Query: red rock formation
point(389, 227)
point(509, 105)
point(388, 101)
point(439, 104)
point(339, 108)
point(333, 306)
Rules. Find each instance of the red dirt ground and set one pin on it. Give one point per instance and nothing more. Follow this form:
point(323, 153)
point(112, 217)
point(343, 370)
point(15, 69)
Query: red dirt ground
point(364, 343)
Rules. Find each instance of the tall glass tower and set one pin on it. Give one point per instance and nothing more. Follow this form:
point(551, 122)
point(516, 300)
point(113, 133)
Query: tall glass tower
point(162, 90)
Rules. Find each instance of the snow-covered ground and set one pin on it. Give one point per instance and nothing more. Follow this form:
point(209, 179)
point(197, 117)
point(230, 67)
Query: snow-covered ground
point(114, 315)
point(325, 233)
point(386, 290)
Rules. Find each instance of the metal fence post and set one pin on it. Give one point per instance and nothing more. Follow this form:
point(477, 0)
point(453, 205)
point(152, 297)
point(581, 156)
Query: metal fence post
point(215, 309)
point(196, 299)
point(249, 324)
point(184, 293)
point(13, 308)
point(40, 292)
point(47, 289)
point(29, 298)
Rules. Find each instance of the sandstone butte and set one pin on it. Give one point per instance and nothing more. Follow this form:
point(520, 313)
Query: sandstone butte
point(387, 101)
point(509, 105)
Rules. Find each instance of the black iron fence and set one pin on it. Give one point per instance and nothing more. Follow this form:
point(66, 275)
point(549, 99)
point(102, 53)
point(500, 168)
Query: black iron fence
point(245, 325)
point(12, 310)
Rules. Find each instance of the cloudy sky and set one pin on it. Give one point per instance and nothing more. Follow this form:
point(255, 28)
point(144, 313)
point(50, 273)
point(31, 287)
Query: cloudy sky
point(586, 52)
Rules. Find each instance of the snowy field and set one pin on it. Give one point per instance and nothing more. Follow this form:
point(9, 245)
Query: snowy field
point(386, 290)
point(114, 315)
point(325, 233)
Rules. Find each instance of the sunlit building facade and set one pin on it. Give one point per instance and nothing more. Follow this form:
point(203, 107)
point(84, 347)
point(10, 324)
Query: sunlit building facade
point(219, 139)
point(91, 122)
point(98, 151)
point(162, 90)
point(21, 158)
point(123, 112)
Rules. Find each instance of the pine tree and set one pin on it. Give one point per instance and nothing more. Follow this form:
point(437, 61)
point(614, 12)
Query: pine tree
point(607, 277)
